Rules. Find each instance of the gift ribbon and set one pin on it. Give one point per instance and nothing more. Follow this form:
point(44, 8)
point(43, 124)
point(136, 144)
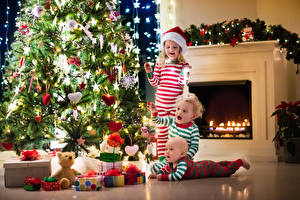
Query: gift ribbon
point(50, 179)
point(32, 181)
point(30, 155)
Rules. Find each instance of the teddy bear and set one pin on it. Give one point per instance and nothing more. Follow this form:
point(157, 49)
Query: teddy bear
point(65, 174)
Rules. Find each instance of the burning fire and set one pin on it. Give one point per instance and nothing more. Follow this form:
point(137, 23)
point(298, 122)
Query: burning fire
point(230, 126)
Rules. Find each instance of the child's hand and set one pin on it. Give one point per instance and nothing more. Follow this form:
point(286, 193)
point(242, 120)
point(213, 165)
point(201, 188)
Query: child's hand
point(151, 107)
point(147, 67)
point(151, 176)
point(158, 177)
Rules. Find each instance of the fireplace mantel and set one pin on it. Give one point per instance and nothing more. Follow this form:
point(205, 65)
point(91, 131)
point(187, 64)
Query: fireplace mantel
point(262, 63)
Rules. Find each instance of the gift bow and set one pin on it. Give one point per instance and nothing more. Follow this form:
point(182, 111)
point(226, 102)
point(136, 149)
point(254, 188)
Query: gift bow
point(30, 155)
point(50, 179)
point(90, 173)
point(32, 181)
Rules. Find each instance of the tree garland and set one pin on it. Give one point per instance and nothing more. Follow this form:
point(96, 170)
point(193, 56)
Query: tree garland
point(244, 30)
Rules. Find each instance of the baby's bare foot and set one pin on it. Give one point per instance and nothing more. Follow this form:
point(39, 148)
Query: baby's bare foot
point(246, 165)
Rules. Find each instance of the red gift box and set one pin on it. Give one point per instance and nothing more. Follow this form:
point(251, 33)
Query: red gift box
point(51, 186)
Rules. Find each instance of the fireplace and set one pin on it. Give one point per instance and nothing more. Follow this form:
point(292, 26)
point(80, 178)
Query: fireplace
point(261, 69)
point(228, 112)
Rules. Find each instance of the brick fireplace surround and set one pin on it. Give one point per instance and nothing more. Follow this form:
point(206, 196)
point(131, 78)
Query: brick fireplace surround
point(265, 66)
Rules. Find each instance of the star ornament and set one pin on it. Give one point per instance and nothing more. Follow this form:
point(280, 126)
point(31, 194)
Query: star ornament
point(82, 85)
point(80, 141)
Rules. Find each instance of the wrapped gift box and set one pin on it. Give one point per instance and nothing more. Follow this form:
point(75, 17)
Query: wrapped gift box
point(105, 166)
point(92, 183)
point(15, 170)
point(32, 184)
point(114, 181)
point(110, 157)
point(51, 186)
point(134, 178)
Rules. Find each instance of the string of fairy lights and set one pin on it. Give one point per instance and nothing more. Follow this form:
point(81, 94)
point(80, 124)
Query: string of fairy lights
point(144, 24)
point(5, 41)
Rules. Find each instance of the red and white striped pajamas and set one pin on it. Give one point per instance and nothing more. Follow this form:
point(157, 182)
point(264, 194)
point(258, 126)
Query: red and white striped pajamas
point(169, 82)
point(188, 169)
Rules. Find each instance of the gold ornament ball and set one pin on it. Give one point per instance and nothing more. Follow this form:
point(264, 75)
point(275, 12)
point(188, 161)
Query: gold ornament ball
point(93, 132)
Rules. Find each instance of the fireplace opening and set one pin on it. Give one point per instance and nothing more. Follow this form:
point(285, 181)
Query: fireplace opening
point(228, 112)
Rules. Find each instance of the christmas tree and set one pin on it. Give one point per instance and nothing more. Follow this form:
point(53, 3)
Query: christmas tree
point(72, 71)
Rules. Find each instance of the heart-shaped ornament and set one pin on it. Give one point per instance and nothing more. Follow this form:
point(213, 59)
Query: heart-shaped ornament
point(114, 126)
point(7, 145)
point(108, 99)
point(46, 99)
point(75, 97)
point(131, 150)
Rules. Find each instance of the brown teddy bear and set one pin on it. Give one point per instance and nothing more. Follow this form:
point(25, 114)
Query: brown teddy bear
point(66, 174)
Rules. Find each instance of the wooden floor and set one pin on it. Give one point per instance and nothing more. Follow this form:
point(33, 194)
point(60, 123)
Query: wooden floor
point(265, 180)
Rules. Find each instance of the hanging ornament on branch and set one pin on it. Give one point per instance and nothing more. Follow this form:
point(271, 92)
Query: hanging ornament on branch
point(46, 96)
point(37, 11)
point(38, 118)
point(115, 126)
point(80, 141)
point(75, 97)
point(127, 81)
point(74, 61)
point(46, 99)
point(111, 75)
point(131, 150)
point(82, 85)
point(108, 99)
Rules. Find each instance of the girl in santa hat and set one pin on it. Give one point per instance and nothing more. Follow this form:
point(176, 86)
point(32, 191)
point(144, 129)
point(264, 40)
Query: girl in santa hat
point(170, 77)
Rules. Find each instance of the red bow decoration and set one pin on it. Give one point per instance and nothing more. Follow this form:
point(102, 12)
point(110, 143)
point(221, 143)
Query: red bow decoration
point(114, 126)
point(108, 99)
point(30, 155)
point(89, 173)
point(132, 169)
point(32, 181)
point(46, 99)
point(233, 41)
point(203, 31)
point(24, 30)
point(113, 172)
point(7, 145)
point(111, 76)
point(52, 153)
point(115, 140)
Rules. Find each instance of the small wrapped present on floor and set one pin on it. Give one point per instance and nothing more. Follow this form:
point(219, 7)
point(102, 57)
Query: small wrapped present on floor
point(16, 169)
point(133, 175)
point(88, 182)
point(32, 184)
point(50, 184)
point(105, 166)
point(113, 178)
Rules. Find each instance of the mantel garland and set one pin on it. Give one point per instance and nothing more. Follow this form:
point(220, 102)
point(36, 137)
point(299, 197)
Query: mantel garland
point(244, 30)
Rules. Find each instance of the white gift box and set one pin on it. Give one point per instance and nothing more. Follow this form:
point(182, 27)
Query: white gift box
point(16, 170)
point(105, 166)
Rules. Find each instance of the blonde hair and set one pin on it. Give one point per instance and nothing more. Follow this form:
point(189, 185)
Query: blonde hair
point(191, 98)
point(180, 142)
point(163, 56)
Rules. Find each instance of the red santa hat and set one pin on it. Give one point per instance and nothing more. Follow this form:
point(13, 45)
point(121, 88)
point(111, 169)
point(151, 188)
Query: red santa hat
point(175, 34)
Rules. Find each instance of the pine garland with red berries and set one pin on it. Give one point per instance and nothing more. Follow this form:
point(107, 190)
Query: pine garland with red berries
point(244, 30)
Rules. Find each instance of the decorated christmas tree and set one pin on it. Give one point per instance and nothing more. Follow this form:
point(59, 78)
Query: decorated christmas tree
point(72, 73)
